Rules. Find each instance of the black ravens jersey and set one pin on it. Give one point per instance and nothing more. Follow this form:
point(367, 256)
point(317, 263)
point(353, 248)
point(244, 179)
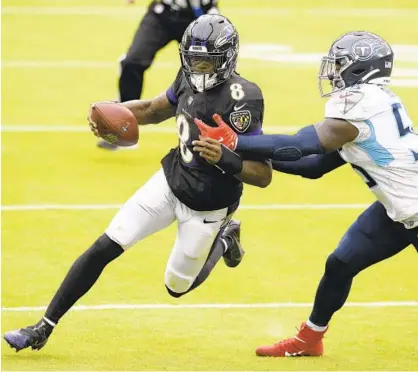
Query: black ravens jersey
point(196, 183)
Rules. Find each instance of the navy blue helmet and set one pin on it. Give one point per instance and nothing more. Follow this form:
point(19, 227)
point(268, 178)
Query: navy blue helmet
point(355, 58)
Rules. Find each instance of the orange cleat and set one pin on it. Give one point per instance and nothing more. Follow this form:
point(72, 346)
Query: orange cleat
point(306, 343)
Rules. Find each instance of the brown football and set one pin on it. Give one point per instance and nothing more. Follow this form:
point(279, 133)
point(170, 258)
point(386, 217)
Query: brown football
point(116, 123)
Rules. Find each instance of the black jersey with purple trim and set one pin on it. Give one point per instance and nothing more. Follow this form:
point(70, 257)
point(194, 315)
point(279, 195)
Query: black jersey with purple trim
point(195, 182)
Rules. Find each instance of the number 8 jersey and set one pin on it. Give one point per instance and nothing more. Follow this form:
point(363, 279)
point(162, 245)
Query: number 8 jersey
point(385, 152)
point(195, 182)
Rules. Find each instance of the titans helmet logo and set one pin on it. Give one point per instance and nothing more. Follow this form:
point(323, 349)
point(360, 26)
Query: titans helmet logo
point(365, 49)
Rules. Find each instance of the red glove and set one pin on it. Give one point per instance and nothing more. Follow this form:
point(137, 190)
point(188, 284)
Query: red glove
point(222, 133)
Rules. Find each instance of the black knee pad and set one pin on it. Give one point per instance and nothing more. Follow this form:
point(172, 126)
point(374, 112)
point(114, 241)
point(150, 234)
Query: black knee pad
point(335, 268)
point(174, 294)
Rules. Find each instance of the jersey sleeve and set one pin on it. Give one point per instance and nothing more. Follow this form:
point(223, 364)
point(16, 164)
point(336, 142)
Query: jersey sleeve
point(357, 106)
point(246, 115)
point(174, 91)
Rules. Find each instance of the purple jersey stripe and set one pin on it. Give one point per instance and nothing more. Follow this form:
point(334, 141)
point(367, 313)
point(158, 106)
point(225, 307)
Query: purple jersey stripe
point(171, 96)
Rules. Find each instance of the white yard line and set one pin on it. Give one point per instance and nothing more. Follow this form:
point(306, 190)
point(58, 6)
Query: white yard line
point(74, 64)
point(137, 11)
point(255, 207)
point(273, 305)
point(247, 58)
point(143, 129)
point(127, 11)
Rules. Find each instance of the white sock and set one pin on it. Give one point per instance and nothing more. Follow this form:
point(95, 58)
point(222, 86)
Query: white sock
point(314, 327)
point(50, 322)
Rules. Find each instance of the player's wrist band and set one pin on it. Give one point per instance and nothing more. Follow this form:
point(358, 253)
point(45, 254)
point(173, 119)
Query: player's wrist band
point(230, 162)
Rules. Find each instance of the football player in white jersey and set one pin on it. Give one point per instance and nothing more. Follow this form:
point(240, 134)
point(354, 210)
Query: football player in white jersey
point(367, 126)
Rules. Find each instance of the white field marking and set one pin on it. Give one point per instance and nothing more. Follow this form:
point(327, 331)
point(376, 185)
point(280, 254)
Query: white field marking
point(247, 58)
point(294, 60)
point(284, 53)
point(128, 11)
point(278, 53)
point(273, 305)
point(405, 72)
point(273, 11)
point(64, 207)
point(362, 12)
point(74, 64)
point(143, 129)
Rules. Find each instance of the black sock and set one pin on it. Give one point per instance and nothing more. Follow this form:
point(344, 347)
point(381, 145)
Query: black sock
point(82, 275)
point(332, 291)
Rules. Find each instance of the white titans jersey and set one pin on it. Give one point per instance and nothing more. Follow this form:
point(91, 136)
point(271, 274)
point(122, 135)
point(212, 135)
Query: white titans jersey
point(385, 153)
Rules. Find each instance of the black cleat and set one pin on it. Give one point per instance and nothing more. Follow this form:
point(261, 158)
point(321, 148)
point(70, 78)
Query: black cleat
point(33, 336)
point(234, 252)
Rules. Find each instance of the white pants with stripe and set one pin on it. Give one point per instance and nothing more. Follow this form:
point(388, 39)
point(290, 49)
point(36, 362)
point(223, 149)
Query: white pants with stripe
point(154, 207)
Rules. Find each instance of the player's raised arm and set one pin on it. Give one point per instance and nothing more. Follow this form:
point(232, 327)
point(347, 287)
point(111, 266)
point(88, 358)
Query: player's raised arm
point(159, 108)
point(151, 111)
point(115, 122)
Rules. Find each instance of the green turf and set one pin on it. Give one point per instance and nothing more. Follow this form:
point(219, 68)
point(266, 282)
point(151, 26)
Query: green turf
point(286, 249)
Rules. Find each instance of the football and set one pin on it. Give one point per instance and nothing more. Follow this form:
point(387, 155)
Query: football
point(116, 124)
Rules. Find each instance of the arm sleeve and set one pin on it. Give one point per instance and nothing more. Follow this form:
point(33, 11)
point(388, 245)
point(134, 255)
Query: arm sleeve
point(282, 147)
point(313, 167)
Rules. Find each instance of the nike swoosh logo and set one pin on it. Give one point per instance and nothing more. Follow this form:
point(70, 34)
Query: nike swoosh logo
point(236, 108)
point(293, 354)
point(207, 221)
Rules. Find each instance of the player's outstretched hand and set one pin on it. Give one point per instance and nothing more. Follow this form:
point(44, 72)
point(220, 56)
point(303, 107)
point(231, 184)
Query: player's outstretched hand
point(209, 149)
point(92, 124)
point(222, 133)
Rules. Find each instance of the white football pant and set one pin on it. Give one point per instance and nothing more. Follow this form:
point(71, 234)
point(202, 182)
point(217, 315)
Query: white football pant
point(154, 207)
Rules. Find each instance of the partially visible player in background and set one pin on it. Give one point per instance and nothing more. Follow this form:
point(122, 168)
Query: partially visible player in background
point(201, 196)
point(165, 21)
point(367, 126)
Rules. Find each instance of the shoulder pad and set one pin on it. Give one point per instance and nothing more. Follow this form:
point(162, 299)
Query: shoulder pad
point(357, 103)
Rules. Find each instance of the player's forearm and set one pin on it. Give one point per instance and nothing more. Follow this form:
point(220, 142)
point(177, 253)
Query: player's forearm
point(144, 112)
point(255, 173)
point(312, 167)
point(282, 147)
point(152, 111)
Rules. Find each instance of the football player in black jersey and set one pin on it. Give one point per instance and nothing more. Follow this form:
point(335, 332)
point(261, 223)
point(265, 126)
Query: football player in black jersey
point(165, 21)
point(201, 195)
